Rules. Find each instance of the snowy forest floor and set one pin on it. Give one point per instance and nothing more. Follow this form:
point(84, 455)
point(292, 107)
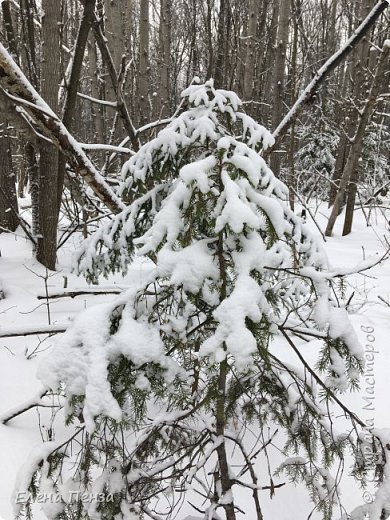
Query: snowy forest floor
point(22, 280)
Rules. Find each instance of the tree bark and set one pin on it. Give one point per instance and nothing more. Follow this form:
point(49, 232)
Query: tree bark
point(357, 143)
point(73, 85)
point(8, 200)
point(9, 29)
point(23, 94)
point(362, 75)
point(162, 99)
point(221, 54)
point(46, 252)
point(279, 79)
point(97, 112)
point(250, 48)
point(143, 64)
point(29, 36)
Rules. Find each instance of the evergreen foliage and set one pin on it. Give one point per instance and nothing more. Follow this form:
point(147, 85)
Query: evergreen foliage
point(167, 382)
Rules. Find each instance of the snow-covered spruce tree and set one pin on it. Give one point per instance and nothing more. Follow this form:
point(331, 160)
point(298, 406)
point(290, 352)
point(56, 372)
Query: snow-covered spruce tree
point(190, 371)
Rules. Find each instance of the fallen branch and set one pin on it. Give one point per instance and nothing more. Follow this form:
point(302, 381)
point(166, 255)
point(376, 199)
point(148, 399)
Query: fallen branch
point(32, 331)
point(73, 294)
point(15, 412)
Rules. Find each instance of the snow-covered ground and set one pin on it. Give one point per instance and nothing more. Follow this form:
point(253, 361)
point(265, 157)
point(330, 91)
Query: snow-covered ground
point(22, 279)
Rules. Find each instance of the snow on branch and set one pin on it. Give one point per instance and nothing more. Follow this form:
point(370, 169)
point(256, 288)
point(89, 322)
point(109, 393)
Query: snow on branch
point(32, 331)
point(20, 90)
point(177, 361)
point(19, 410)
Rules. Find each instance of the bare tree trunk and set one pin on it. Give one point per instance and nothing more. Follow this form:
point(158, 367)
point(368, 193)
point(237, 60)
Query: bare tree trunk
point(224, 470)
point(117, 31)
point(279, 79)
point(9, 29)
point(210, 49)
point(162, 98)
point(332, 41)
point(250, 48)
point(357, 143)
point(113, 30)
point(29, 54)
point(324, 71)
point(261, 65)
point(33, 178)
point(29, 57)
point(291, 180)
point(269, 61)
point(73, 84)
point(362, 76)
point(8, 200)
point(220, 61)
point(116, 83)
point(97, 112)
point(48, 162)
point(143, 65)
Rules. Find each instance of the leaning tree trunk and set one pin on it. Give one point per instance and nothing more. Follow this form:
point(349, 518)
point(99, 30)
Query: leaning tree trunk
point(48, 164)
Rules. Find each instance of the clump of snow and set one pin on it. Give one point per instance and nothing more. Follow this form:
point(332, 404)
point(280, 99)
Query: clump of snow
point(83, 354)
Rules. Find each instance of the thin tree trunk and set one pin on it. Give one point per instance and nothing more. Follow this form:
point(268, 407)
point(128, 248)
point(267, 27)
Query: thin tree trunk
point(8, 200)
point(279, 79)
point(324, 72)
point(291, 149)
point(210, 49)
point(33, 178)
point(29, 36)
point(250, 48)
point(73, 84)
point(270, 60)
point(357, 144)
point(97, 112)
point(143, 65)
point(224, 470)
point(362, 75)
point(162, 98)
